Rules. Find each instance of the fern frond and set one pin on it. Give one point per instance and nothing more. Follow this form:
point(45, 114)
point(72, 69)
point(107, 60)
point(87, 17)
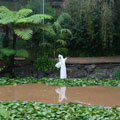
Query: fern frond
point(3, 9)
point(62, 17)
point(24, 33)
point(37, 19)
point(34, 19)
point(22, 21)
point(23, 13)
point(1, 15)
point(62, 42)
point(22, 53)
point(7, 19)
point(46, 44)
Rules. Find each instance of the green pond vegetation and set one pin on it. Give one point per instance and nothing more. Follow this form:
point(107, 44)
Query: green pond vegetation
point(71, 82)
point(69, 111)
point(30, 110)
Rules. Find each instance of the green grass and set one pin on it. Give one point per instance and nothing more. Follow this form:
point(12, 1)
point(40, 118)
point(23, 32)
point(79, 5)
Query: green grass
point(18, 110)
point(61, 82)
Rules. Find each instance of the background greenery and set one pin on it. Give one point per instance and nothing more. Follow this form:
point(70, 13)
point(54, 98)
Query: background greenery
point(94, 25)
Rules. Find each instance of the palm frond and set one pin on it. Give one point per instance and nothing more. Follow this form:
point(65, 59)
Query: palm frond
point(62, 42)
point(23, 33)
point(57, 26)
point(62, 17)
point(66, 31)
point(63, 51)
point(48, 28)
point(46, 44)
point(23, 13)
point(22, 53)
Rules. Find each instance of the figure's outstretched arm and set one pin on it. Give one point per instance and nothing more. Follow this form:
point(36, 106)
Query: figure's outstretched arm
point(66, 58)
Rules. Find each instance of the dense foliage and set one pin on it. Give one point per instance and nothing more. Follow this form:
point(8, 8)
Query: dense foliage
point(60, 82)
point(68, 111)
point(45, 64)
point(95, 27)
point(18, 24)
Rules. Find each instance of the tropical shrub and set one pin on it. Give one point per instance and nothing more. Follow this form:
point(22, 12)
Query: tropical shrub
point(45, 64)
point(116, 73)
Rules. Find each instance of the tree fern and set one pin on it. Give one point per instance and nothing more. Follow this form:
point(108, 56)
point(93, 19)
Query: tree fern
point(20, 23)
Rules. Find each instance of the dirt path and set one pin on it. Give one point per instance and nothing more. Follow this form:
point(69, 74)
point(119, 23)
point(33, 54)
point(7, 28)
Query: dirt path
point(107, 96)
point(93, 59)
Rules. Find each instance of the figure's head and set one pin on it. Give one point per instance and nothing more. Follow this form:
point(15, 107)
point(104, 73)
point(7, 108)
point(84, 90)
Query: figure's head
point(60, 57)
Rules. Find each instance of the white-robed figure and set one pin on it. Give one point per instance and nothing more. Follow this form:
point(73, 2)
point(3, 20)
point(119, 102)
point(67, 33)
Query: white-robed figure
point(62, 66)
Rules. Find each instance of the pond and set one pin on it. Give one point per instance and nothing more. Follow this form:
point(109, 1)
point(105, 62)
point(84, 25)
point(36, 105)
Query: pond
point(90, 95)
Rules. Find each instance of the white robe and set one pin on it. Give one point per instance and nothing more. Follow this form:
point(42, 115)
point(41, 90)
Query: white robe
point(62, 66)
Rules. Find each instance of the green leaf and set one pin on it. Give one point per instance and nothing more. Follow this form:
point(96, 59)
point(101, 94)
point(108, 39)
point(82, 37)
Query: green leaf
point(4, 112)
point(23, 13)
point(3, 9)
point(48, 28)
point(62, 42)
point(57, 26)
point(38, 18)
point(62, 17)
point(24, 33)
point(22, 53)
point(7, 51)
point(7, 18)
point(46, 44)
point(66, 31)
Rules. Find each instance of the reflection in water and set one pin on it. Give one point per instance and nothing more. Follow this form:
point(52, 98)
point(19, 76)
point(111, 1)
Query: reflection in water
point(61, 92)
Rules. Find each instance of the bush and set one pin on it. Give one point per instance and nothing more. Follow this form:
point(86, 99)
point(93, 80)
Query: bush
point(45, 64)
point(117, 73)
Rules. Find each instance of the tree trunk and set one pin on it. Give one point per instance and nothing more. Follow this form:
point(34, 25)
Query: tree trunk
point(11, 65)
